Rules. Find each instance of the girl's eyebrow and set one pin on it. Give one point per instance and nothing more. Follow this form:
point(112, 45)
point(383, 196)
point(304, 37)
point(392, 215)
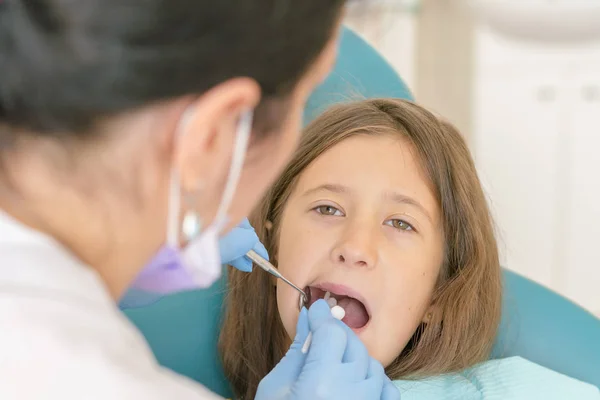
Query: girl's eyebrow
point(328, 187)
point(404, 199)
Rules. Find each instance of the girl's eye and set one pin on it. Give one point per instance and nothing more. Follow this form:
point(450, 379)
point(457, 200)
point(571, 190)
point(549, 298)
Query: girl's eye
point(400, 225)
point(328, 210)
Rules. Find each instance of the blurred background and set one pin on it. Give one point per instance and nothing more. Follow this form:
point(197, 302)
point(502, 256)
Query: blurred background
point(521, 80)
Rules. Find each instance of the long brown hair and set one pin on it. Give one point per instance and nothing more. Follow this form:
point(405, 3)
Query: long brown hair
point(467, 298)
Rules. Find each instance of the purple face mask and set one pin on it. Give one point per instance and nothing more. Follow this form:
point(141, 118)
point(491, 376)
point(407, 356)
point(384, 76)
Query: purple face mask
point(198, 263)
point(164, 274)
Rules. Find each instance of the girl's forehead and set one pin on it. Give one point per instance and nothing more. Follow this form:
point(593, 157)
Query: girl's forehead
point(371, 164)
point(379, 159)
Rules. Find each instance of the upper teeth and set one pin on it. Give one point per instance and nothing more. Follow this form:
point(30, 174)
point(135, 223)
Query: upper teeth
point(331, 301)
point(337, 311)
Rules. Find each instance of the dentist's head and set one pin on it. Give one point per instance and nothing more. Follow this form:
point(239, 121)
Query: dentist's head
point(125, 127)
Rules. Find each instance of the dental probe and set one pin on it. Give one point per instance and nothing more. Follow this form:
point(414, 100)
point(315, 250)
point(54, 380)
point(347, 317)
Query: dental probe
point(267, 266)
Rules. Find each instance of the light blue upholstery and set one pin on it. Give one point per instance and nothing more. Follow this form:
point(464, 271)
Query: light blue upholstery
point(543, 327)
point(538, 324)
point(360, 73)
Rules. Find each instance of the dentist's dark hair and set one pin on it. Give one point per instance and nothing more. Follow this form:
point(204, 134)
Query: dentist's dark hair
point(66, 64)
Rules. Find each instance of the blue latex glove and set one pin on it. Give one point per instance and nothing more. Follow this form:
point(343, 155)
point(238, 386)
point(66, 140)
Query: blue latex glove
point(237, 243)
point(337, 365)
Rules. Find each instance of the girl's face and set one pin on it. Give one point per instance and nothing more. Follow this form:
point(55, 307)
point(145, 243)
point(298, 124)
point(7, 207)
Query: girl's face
point(363, 224)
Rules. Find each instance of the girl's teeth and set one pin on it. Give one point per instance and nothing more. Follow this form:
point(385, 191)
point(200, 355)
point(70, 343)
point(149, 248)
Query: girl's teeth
point(332, 302)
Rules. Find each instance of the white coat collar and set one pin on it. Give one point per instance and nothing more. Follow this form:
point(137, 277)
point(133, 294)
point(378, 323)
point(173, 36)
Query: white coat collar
point(34, 264)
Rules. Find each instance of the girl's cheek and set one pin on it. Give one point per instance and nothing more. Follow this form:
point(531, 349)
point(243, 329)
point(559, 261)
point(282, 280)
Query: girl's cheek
point(287, 304)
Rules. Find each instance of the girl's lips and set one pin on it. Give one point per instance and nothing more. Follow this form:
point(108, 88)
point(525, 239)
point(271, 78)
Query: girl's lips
point(317, 289)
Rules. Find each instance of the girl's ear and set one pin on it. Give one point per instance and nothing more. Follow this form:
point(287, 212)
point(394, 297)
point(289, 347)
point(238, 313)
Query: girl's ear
point(268, 227)
point(428, 316)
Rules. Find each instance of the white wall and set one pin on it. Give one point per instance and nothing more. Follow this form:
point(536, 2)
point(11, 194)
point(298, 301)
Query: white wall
point(536, 139)
point(537, 142)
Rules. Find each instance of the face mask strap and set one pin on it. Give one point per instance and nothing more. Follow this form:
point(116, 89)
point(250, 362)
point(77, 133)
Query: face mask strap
point(174, 207)
point(173, 210)
point(240, 148)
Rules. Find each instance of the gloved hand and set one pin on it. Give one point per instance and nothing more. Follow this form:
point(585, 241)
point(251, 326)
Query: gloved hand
point(337, 365)
point(237, 243)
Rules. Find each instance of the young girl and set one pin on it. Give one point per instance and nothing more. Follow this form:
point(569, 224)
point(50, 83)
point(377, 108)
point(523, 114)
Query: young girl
point(382, 210)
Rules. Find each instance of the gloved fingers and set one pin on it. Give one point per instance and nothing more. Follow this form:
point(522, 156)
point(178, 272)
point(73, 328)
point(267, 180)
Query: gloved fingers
point(302, 329)
point(289, 367)
point(236, 243)
point(234, 246)
point(360, 370)
point(390, 391)
point(328, 345)
point(329, 335)
point(261, 250)
point(242, 263)
point(356, 352)
point(372, 387)
point(319, 313)
point(286, 372)
point(245, 224)
point(375, 370)
point(351, 372)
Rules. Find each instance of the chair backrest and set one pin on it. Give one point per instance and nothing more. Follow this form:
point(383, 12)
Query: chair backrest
point(544, 327)
point(539, 325)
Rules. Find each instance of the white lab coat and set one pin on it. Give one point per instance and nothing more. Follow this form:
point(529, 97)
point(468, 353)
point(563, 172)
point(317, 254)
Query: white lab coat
point(62, 336)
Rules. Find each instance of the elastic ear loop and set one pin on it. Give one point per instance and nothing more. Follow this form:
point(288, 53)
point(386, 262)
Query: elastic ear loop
point(240, 148)
point(174, 210)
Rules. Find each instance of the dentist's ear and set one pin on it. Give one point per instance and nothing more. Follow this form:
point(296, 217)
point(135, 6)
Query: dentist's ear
point(203, 144)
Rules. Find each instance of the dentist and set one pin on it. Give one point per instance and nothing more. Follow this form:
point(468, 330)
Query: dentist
point(135, 128)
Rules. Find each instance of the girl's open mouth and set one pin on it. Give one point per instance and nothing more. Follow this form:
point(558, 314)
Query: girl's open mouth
point(356, 316)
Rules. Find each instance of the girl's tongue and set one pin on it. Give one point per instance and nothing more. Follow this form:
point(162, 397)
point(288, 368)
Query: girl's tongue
point(356, 314)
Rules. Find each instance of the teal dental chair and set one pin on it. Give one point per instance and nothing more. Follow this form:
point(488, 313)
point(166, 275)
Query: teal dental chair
point(537, 324)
